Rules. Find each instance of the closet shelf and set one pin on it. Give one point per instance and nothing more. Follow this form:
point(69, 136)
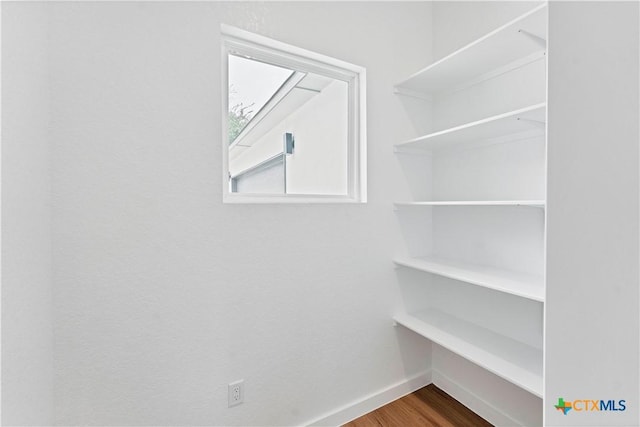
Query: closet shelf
point(518, 363)
point(513, 42)
point(529, 203)
point(506, 281)
point(526, 122)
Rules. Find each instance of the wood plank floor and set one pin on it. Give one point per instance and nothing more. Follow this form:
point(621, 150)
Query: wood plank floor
point(427, 407)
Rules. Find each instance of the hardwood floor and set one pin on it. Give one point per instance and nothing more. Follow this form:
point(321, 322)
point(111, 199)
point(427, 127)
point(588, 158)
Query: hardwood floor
point(427, 407)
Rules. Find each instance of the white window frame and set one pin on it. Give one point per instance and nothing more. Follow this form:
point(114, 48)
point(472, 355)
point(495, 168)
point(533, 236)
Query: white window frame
point(240, 42)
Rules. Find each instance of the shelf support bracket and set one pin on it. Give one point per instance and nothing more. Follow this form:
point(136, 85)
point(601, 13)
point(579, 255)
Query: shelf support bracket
point(535, 123)
point(539, 40)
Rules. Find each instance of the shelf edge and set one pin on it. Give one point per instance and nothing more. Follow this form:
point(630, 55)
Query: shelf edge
point(533, 296)
point(470, 45)
point(541, 204)
point(407, 321)
point(473, 124)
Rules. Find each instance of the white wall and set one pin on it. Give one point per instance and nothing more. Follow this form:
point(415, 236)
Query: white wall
point(163, 294)
point(592, 286)
point(27, 343)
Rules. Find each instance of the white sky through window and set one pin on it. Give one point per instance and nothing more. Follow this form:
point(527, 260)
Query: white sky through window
point(253, 82)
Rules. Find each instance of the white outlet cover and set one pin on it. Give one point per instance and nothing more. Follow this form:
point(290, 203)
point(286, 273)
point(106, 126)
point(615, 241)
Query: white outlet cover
point(236, 393)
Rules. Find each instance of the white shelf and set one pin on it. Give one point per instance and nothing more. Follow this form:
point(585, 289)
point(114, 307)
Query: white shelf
point(518, 39)
point(503, 349)
point(510, 282)
point(529, 203)
point(527, 122)
point(514, 361)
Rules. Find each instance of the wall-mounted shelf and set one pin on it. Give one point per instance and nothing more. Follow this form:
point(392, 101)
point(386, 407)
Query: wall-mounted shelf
point(510, 282)
point(514, 41)
point(511, 360)
point(525, 203)
point(529, 122)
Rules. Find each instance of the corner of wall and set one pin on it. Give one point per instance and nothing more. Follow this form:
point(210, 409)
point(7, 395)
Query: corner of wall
point(373, 401)
point(27, 336)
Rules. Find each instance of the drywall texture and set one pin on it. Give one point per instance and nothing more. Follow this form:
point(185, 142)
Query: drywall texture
point(592, 271)
point(27, 358)
point(163, 294)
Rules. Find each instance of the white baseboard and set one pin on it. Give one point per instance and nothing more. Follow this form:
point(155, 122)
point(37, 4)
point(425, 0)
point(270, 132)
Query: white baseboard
point(472, 401)
point(373, 401)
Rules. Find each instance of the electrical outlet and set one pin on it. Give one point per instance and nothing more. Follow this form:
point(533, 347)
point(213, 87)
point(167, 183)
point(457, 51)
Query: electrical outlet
point(236, 393)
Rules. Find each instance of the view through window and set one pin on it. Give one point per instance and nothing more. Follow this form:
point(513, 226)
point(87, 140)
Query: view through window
point(293, 123)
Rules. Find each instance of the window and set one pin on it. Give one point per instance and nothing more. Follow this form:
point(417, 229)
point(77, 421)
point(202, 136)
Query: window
point(293, 123)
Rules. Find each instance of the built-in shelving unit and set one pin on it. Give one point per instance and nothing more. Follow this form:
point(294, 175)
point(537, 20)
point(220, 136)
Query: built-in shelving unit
point(486, 222)
point(513, 44)
point(511, 360)
point(510, 282)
